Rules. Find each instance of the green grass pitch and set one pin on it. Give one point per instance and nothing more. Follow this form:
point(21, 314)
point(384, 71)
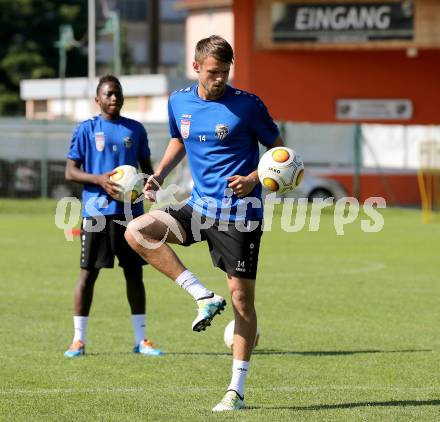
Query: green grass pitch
point(349, 329)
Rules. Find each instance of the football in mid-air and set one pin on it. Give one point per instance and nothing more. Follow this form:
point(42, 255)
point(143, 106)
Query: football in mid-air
point(280, 169)
point(129, 181)
point(228, 335)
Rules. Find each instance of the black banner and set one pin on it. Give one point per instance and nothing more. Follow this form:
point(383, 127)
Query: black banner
point(342, 22)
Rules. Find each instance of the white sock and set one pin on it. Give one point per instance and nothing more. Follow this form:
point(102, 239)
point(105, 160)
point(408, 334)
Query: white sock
point(80, 326)
point(239, 373)
point(188, 281)
point(138, 323)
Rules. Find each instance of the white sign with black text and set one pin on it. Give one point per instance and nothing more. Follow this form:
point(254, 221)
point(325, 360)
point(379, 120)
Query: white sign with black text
point(374, 109)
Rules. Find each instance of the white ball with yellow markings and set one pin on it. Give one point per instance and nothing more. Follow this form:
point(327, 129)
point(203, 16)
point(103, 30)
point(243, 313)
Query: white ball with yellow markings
point(280, 169)
point(228, 335)
point(129, 181)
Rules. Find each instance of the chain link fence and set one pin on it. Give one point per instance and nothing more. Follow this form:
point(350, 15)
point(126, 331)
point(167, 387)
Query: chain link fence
point(33, 157)
point(33, 154)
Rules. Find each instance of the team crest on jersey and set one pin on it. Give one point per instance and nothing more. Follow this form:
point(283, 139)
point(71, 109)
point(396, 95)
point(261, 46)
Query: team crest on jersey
point(100, 141)
point(184, 128)
point(221, 131)
point(128, 142)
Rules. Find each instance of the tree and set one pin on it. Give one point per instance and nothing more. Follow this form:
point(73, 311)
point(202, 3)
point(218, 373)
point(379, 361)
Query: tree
point(29, 30)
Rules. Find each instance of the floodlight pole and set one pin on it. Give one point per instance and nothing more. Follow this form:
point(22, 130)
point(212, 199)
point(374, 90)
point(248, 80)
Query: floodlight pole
point(116, 43)
point(154, 33)
point(62, 47)
point(357, 160)
point(91, 51)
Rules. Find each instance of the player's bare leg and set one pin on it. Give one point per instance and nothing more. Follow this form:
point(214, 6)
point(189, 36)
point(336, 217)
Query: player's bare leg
point(135, 289)
point(136, 298)
point(83, 297)
point(243, 296)
point(84, 291)
point(148, 235)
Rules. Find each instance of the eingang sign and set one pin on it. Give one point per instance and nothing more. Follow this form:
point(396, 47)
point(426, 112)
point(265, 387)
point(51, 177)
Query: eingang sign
point(342, 22)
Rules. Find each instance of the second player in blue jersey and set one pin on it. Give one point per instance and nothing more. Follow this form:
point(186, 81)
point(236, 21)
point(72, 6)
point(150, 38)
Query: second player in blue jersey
point(98, 145)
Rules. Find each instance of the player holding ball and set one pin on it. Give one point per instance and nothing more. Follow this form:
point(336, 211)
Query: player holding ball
point(98, 146)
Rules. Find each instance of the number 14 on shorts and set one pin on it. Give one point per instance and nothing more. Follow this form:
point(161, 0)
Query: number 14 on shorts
point(241, 266)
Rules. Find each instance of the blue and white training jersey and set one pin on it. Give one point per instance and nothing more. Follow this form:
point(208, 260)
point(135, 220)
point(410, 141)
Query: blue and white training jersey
point(221, 140)
point(100, 145)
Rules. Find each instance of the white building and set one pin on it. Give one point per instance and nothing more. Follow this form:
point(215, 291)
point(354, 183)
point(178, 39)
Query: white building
point(146, 98)
point(205, 18)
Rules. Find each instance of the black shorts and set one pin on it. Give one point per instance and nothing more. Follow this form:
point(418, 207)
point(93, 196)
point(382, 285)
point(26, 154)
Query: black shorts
point(98, 248)
point(233, 251)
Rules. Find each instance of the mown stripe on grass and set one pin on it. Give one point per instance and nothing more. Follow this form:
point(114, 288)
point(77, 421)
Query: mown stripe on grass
point(149, 389)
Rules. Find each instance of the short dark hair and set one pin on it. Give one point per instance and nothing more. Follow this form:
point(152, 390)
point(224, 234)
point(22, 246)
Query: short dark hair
point(216, 47)
point(105, 79)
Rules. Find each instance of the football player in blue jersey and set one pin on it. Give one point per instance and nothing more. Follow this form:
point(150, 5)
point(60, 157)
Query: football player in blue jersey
point(219, 128)
point(99, 145)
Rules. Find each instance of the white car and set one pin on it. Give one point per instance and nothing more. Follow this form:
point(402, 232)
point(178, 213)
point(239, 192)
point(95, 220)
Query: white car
point(316, 186)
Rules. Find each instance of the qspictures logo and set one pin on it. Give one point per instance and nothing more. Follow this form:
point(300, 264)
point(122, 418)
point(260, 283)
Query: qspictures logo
point(297, 214)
